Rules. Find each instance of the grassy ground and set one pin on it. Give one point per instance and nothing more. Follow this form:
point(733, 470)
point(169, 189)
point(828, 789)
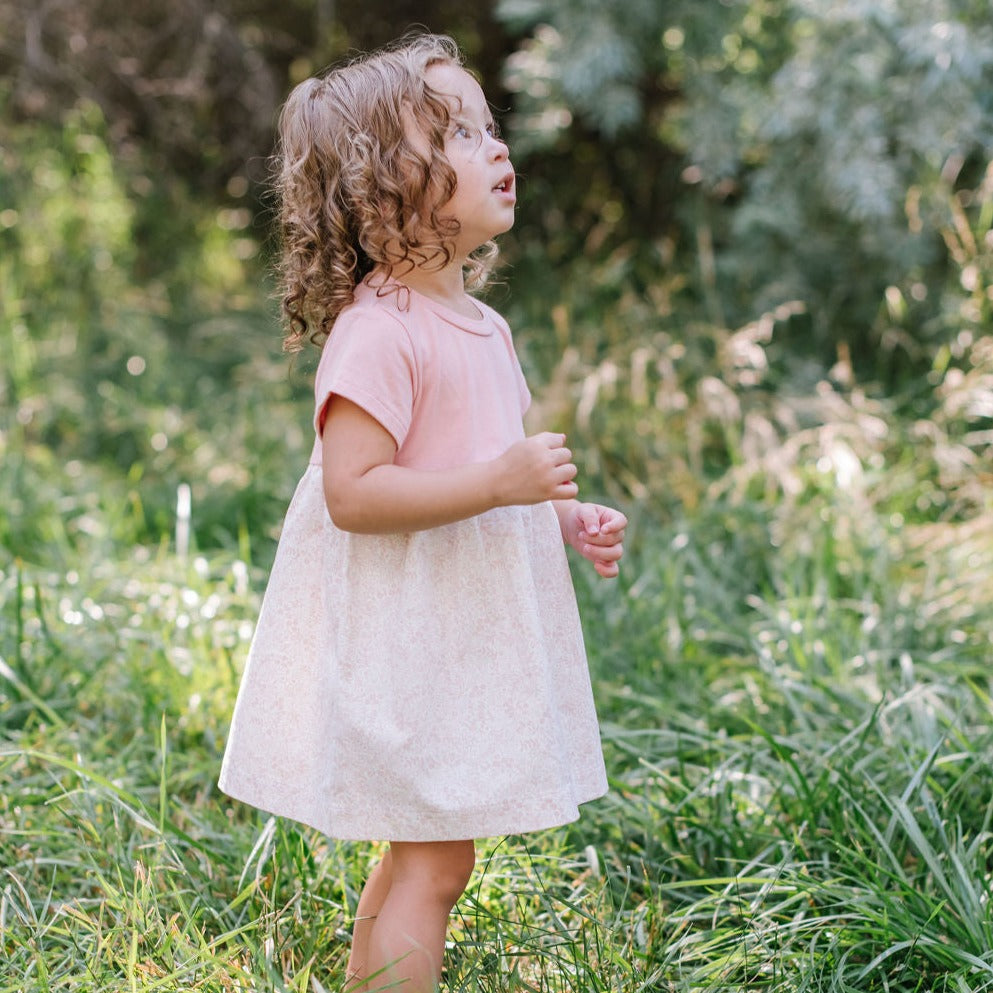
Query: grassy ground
point(793, 673)
point(796, 717)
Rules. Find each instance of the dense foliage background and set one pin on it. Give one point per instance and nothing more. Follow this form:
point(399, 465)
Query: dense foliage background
point(752, 278)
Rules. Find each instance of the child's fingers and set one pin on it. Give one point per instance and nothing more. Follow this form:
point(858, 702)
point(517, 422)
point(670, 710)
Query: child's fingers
point(603, 553)
point(589, 519)
point(605, 548)
point(595, 519)
point(603, 538)
point(602, 532)
point(612, 520)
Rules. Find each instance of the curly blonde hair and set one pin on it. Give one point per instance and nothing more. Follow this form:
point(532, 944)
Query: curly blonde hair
point(354, 192)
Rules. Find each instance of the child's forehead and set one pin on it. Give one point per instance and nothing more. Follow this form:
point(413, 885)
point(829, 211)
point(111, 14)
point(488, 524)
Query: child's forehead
point(461, 89)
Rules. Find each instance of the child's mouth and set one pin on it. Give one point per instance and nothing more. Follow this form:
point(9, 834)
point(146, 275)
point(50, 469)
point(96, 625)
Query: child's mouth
point(506, 185)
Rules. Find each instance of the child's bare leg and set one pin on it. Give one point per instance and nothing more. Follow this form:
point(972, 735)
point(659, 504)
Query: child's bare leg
point(377, 886)
point(407, 942)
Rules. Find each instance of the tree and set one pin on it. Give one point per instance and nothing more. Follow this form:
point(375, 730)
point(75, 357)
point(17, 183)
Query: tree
point(800, 139)
point(196, 85)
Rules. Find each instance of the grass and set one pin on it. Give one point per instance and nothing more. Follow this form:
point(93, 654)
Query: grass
point(792, 673)
point(801, 782)
point(796, 708)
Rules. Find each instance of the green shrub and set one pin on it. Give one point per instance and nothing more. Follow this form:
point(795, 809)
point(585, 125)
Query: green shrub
point(139, 354)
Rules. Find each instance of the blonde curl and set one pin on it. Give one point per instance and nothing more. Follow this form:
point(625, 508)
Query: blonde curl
point(354, 192)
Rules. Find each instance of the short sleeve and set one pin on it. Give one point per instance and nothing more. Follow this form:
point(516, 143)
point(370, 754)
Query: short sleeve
point(369, 359)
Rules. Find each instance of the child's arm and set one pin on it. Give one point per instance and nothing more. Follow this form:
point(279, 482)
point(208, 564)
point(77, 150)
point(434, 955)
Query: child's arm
point(595, 532)
point(366, 493)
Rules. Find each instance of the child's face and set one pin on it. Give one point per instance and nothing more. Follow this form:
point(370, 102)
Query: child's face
point(484, 198)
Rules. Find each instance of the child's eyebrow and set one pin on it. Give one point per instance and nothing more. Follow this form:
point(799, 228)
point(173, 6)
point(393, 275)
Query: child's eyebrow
point(468, 115)
point(486, 120)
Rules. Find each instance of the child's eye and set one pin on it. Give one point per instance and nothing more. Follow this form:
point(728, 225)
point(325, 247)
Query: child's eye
point(466, 131)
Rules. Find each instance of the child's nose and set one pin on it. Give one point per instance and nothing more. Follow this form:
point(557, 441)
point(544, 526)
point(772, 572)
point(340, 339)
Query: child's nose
point(498, 148)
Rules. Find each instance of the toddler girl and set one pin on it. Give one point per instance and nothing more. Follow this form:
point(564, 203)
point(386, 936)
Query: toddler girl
point(417, 674)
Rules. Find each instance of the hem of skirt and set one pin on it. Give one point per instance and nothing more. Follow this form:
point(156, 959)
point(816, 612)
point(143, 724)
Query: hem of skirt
point(341, 830)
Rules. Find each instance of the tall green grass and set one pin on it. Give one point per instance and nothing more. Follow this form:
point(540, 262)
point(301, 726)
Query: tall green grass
point(792, 672)
point(801, 787)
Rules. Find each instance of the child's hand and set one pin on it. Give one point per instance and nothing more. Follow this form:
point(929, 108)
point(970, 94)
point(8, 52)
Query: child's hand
point(597, 533)
point(537, 469)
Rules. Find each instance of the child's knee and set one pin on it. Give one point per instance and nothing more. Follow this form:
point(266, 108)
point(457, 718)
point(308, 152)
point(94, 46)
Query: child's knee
point(451, 869)
point(462, 863)
point(442, 868)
